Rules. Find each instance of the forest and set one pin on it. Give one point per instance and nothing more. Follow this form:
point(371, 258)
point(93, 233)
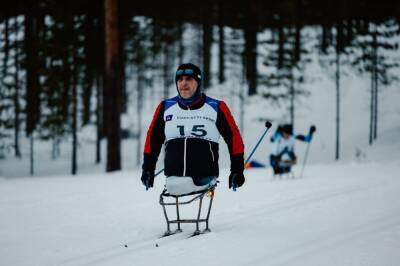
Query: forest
point(65, 65)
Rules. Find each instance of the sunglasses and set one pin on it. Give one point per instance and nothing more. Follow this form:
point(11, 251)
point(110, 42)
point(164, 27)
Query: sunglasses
point(184, 72)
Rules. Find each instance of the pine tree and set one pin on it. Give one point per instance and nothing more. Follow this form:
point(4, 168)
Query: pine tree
point(235, 68)
point(376, 48)
point(139, 56)
point(285, 57)
point(11, 84)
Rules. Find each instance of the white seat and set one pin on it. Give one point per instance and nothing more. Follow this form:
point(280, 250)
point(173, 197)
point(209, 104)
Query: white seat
point(181, 185)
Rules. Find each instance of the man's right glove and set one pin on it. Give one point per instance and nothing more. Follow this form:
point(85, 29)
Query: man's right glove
point(236, 180)
point(147, 179)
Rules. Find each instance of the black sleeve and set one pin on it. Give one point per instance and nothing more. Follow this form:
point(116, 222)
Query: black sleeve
point(154, 139)
point(300, 137)
point(229, 131)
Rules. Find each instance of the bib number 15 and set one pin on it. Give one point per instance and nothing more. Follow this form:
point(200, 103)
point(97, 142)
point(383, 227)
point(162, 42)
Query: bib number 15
point(196, 131)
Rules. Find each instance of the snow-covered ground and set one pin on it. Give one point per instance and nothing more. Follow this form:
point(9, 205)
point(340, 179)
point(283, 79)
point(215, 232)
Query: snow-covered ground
point(337, 214)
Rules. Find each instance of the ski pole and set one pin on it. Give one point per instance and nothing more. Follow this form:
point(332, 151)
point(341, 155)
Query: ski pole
point(147, 182)
point(159, 172)
point(268, 126)
point(312, 130)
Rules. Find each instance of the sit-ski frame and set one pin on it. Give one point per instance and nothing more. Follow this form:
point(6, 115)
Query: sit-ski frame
point(287, 174)
point(199, 196)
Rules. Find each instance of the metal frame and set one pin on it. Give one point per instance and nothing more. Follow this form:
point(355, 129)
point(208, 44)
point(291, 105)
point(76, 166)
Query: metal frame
point(199, 195)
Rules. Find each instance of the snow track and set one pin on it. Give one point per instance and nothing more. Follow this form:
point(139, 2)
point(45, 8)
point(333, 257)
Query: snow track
point(336, 215)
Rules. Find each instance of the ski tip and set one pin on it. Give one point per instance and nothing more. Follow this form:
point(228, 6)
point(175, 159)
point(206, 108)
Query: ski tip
point(268, 124)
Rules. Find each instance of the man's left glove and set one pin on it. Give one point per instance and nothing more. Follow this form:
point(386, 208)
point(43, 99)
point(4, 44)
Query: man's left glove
point(147, 179)
point(309, 137)
point(236, 180)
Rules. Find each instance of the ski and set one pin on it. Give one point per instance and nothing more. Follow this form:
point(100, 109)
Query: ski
point(198, 233)
point(171, 233)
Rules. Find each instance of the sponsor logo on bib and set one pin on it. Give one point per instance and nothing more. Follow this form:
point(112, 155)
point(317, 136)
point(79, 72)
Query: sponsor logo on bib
point(168, 118)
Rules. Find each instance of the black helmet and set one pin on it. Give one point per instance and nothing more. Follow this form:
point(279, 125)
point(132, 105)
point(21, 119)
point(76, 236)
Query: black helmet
point(287, 128)
point(191, 70)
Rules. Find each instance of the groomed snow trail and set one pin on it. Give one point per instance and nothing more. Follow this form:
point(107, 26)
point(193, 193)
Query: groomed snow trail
point(338, 214)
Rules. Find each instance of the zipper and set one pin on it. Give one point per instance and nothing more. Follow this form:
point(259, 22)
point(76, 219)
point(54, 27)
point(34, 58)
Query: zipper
point(184, 158)
point(184, 154)
point(212, 153)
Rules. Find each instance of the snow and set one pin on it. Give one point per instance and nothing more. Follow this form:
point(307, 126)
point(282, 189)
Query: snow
point(337, 214)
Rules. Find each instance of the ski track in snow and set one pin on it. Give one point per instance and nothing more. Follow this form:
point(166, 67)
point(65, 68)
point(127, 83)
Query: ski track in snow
point(336, 215)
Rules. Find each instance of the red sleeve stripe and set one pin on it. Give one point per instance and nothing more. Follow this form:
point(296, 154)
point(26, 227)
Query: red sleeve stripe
point(147, 146)
point(237, 142)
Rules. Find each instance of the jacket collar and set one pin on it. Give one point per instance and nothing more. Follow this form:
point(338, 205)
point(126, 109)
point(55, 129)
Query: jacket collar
point(196, 104)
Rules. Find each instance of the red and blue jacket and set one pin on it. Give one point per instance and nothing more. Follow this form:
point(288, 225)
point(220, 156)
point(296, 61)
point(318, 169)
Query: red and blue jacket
point(191, 135)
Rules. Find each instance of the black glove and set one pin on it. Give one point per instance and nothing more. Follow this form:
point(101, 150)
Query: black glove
point(147, 178)
point(312, 129)
point(236, 180)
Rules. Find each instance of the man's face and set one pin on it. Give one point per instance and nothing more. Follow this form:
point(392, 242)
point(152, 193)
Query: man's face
point(186, 86)
point(285, 135)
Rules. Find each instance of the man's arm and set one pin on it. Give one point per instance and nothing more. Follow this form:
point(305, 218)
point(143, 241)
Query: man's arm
point(301, 138)
point(154, 139)
point(277, 135)
point(307, 138)
point(230, 132)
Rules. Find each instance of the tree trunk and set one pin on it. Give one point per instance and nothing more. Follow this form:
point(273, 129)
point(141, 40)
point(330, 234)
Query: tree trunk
point(281, 43)
point(376, 80)
point(221, 42)
point(89, 68)
point(74, 115)
point(242, 95)
point(337, 106)
point(166, 68)
point(376, 99)
point(324, 38)
point(6, 49)
point(207, 40)
point(349, 31)
point(371, 109)
point(122, 61)
point(55, 151)
point(250, 33)
point(112, 86)
point(339, 49)
point(292, 96)
point(181, 48)
point(139, 116)
point(32, 78)
point(99, 119)
point(17, 106)
point(32, 75)
point(298, 28)
point(31, 155)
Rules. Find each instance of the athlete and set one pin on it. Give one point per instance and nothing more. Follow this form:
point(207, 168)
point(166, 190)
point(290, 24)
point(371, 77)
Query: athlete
point(283, 157)
point(190, 125)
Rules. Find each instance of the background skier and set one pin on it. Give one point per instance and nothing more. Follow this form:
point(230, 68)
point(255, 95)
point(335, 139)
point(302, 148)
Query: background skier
point(283, 157)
